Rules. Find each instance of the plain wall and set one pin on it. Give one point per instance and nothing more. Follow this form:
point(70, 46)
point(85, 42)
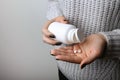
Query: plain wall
point(23, 55)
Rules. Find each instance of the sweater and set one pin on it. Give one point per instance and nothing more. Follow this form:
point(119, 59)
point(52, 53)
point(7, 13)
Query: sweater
point(92, 16)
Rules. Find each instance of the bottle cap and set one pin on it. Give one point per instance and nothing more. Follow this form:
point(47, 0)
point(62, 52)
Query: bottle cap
point(73, 36)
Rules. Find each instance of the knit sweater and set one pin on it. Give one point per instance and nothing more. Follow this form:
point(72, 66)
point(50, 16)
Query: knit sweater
point(92, 16)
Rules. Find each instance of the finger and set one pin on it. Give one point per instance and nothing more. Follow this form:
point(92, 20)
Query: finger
point(65, 50)
point(83, 62)
point(68, 47)
point(69, 58)
point(48, 33)
point(51, 41)
point(48, 23)
point(45, 30)
point(89, 58)
point(56, 52)
point(61, 19)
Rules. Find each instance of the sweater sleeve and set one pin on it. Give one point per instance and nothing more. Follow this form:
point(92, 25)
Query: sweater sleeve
point(113, 43)
point(53, 9)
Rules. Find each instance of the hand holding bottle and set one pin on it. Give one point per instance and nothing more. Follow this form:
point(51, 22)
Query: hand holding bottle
point(47, 35)
point(65, 33)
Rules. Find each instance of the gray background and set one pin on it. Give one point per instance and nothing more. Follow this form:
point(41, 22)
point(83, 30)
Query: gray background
point(23, 55)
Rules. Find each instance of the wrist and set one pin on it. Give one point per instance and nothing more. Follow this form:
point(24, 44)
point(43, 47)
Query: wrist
point(102, 37)
point(104, 41)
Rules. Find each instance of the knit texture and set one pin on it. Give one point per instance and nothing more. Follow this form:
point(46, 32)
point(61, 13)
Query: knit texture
point(92, 16)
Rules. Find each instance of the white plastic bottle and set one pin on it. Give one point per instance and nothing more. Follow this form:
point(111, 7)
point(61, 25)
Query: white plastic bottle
point(65, 33)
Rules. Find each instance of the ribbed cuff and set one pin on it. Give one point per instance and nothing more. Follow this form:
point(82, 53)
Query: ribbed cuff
point(107, 37)
point(113, 43)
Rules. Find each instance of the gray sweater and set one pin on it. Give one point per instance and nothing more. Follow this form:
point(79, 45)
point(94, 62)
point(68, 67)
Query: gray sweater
point(92, 16)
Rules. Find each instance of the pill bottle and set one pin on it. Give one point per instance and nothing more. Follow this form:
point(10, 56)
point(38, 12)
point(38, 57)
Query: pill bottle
point(65, 33)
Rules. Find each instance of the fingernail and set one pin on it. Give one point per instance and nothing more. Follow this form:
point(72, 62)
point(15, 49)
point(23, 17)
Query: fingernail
point(58, 43)
point(83, 66)
point(57, 58)
point(52, 36)
point(52, 54)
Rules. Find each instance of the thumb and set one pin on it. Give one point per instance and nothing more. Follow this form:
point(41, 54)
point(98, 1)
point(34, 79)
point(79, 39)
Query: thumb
point(93, 55)
point(64, 21)
point(84, 62)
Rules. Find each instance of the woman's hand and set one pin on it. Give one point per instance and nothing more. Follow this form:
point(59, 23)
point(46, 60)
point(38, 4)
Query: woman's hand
point(48, 37)
point(82, 53)
point(61, 19)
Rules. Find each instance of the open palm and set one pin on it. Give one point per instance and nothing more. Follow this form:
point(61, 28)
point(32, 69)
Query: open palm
point(82, 53)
